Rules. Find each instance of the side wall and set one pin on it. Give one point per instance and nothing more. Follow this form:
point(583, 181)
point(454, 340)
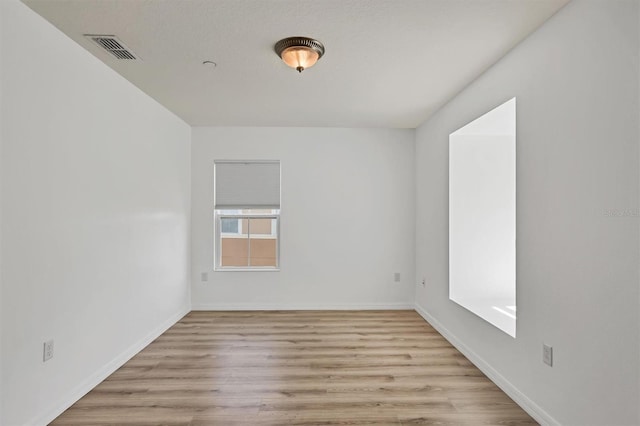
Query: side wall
point(95, 218)
point(576, 83)
point(1, 137)
point(347, 219)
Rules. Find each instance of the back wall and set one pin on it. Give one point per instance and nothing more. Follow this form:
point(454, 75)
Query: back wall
point(347, 219)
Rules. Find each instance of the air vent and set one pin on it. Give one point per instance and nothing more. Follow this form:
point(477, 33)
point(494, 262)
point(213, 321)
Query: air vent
point(111, 44)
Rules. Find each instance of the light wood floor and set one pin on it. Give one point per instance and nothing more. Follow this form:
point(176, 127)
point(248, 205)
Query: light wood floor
point(298, 368)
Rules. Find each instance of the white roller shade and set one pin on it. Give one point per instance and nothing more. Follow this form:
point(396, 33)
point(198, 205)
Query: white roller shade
point(247, 185)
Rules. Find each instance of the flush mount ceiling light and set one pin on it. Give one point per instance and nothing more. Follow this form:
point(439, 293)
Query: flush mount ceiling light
point(299, 53)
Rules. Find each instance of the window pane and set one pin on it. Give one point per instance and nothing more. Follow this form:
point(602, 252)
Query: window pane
point(261, 227)
point(234, 249)
point(228, 225)
point(263, 242)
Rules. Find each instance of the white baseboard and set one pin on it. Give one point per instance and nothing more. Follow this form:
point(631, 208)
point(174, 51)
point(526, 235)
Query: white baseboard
point(67, 400)
point(533, 409)
point(300, 306)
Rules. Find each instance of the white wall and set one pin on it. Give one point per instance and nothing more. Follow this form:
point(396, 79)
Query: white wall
point(1, 133)
point(576, 81)
point(347, 218)
point(95, 218)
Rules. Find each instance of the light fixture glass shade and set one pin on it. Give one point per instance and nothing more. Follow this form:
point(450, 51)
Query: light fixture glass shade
point(299, 53)
point(300, 57)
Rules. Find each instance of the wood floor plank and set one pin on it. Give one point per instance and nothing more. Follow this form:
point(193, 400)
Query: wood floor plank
point(297, 368)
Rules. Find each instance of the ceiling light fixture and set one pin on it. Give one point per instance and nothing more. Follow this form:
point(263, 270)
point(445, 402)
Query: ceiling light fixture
point(299, 53)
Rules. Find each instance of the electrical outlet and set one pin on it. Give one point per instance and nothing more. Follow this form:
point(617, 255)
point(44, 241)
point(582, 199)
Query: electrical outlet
point(47, 352)
point(204, 276)
point(424, 281)
point(547, 355)
point(396, 277)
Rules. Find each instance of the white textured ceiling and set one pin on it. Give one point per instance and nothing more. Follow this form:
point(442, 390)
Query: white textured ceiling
point(388, 63)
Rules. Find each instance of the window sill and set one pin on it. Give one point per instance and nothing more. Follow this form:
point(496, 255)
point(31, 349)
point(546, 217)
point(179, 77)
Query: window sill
point(246, 269)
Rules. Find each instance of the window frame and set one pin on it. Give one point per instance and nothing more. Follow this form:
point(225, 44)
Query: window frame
point(222, 214)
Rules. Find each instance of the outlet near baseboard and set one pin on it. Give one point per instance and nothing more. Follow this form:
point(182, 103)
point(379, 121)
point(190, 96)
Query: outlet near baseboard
point(47, 352)
point(547, 355)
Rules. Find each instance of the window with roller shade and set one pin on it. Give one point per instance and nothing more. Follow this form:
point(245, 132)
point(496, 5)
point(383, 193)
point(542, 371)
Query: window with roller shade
point(247, 215)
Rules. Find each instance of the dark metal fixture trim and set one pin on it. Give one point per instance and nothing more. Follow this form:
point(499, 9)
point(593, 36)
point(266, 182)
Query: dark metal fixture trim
point(285, 43)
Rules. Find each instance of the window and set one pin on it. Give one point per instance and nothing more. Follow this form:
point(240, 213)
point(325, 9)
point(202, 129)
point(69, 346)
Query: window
point(247, 215)
point(482, 217)
point(248, 239)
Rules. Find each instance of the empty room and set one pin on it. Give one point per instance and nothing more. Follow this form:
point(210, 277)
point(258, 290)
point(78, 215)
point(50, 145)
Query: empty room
point(320, 212)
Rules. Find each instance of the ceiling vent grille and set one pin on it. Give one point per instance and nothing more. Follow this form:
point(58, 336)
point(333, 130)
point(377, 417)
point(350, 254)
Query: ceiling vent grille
point(111, 44)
